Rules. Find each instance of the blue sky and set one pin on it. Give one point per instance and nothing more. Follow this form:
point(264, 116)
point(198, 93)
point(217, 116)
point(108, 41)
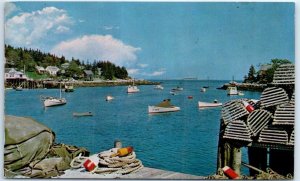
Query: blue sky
point(158, 40)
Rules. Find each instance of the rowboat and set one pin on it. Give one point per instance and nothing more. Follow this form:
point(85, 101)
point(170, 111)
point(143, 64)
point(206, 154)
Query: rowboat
point(209, 104)
point(77, 114)
point(163, 107)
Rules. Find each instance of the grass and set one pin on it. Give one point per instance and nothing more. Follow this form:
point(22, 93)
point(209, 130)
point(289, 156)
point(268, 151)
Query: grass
point(35, 76)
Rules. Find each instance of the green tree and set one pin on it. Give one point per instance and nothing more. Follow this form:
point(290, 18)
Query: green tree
point(251, 74)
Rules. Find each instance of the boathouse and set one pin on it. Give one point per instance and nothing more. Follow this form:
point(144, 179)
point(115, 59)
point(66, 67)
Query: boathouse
point(265, 127)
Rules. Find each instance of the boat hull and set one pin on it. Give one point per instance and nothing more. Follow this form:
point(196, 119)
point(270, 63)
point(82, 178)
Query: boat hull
point(54, 102)
point(208, 104)
point(132, 89)
point(76, 114)
point(155, 109)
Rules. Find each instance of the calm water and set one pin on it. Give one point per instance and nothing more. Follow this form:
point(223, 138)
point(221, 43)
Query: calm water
point(184, 141)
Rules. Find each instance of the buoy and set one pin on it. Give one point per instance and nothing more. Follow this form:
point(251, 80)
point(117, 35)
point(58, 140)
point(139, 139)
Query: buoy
point(230, 173)
point(248, 107)
point(123, 151)
point(190, 97)
point(91, 163)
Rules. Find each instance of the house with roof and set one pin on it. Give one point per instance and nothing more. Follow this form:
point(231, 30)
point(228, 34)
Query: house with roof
point(65, 65)
point(12, 73)
point(88, 74)
point(52, 70)
point(40, 69)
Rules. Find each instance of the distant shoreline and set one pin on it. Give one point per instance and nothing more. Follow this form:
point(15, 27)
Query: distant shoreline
point(247, 86)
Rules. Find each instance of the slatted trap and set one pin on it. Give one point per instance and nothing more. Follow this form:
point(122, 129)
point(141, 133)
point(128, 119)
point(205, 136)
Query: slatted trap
point(292, 101)
point(292, 138)
point(284, 75)
point(233, 110)
point(273, 96)
point(284, 115)
point(273, 135)
point(257, 120)
point(237, 130)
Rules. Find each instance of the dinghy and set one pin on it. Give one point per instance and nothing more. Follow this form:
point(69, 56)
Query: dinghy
point(209, 104)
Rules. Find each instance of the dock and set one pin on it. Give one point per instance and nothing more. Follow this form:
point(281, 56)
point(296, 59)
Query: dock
point(144, 173)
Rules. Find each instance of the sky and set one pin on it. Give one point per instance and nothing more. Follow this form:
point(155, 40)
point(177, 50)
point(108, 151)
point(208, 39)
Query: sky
point(158, 40)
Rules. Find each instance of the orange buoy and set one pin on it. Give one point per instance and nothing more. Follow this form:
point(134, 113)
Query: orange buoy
point(230, 173)
point(123, 151)
point(248, 107)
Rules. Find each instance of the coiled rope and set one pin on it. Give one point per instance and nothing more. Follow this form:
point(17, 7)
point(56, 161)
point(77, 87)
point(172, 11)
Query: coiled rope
point(107, 164)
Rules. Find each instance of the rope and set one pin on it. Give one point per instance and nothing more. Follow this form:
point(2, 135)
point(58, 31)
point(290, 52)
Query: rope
point(109, 165)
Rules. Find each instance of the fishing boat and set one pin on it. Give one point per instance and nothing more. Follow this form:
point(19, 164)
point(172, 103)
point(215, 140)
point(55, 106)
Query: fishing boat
point(209, 104)
point(78, 114)
point(109, 98)
point(53, 101)
point(69, 88)
point(132, 88)
point(164, 106)
point(177, 89)
point(232, 90)
point(159, 87)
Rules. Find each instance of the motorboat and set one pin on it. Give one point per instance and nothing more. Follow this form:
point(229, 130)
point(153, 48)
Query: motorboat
point(232, 90)
point(203, 89)
point(209, 104)
point(132, 88)
point(69, 88)
point(177, 89)
point(109, 98)
point(53, 101)
point(79, 114)
point(159, 87)
point(240, 93)
point(164, 106)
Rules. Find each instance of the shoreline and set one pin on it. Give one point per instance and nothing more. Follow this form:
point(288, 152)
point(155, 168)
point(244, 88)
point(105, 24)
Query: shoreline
point(246, 86)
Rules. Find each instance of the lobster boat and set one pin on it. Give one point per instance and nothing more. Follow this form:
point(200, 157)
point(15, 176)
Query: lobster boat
point(164, 106)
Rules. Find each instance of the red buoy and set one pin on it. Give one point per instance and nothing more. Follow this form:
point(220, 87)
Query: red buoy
point(248, 107)
point(190, 97)
point(230, 173)
point(89, 165)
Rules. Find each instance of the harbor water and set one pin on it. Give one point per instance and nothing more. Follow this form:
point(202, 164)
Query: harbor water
point(184, 141)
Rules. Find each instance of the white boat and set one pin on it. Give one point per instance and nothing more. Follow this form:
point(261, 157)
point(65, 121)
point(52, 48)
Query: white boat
point(203, 89)
point(19, 88)
point(240, 93)
point(53, 101)
point(232, 90)
point(109, 98)
point(132, 88)
point(177, 89)
point(160, 87)
point(209, 104)
point(163, 107)
point(69, 88)
point(78, 114)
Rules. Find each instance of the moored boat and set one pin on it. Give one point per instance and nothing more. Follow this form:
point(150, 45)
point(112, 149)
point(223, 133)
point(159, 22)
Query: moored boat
point(132, 88)
point(53, 101)
point(69, 88)
point(203, 89)
point(163, 107)
point(159, 87)
point(209, 104)
point(78, 114)
point(19, 88)
point(109, 98)
point(232, 90)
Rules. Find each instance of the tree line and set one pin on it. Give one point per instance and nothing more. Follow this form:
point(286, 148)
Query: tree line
point(264, 76)
point(21, 58)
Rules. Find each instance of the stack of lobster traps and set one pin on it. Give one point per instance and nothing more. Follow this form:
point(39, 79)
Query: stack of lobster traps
point(267, 130)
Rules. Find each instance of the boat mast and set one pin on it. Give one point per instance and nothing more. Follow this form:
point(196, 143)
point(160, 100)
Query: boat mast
point(60, 90)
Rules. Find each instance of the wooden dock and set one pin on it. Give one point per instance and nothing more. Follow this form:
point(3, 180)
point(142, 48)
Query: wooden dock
point(144, 173)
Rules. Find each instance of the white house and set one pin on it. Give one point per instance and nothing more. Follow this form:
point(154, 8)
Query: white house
point(40, 69)
point(65, 65)
point(12, 73)
point(52, 70)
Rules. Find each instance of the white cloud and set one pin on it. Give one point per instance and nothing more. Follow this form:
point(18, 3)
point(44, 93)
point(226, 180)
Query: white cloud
point(157, 73)
point(28, 29)
point(97, 47)
point(133, 71)
point(143, 65)
point(10, 8)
